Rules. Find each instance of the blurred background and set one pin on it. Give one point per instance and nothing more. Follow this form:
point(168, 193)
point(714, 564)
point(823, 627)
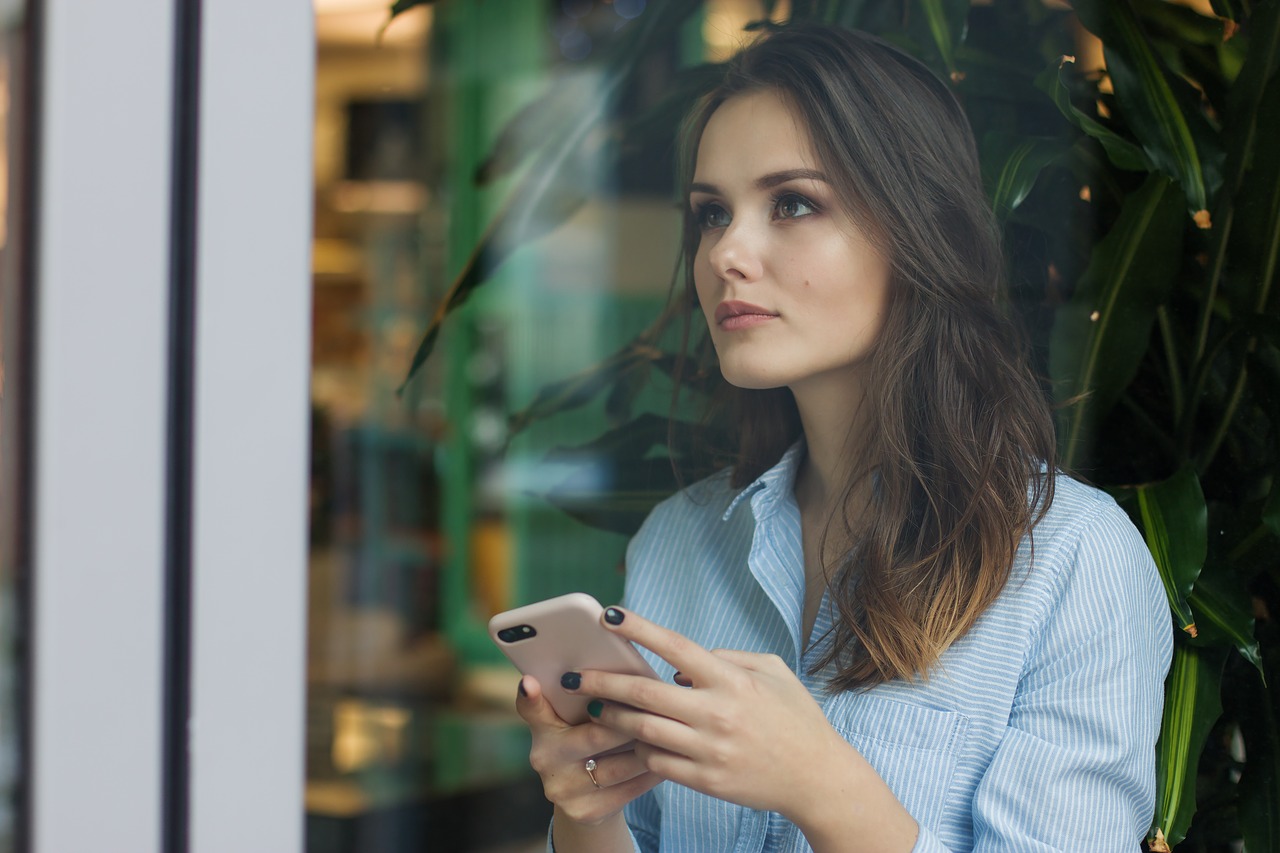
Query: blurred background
point(511, 163)
point(427, 515)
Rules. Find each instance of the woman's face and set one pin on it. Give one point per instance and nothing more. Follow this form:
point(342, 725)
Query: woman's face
point(793, 291)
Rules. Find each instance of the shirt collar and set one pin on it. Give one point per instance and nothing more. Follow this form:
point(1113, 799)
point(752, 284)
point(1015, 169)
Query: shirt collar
point(771, 487)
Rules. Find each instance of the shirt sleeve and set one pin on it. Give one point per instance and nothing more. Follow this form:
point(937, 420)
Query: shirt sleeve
point(636, 846)
point(1075, 769)
point(644, 818)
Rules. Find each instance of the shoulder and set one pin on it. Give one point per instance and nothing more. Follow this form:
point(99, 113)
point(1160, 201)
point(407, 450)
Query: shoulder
point(687, 524)
point(1092, 566)
point(1086, 529)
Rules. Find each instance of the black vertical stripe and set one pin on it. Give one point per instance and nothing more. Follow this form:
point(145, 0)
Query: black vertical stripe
point(176, 787)
point(26, 189)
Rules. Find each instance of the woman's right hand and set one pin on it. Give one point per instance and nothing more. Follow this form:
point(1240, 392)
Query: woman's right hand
point(559, 755)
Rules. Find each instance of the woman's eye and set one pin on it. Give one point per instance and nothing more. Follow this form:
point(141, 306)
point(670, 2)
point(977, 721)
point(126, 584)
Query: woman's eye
point(712, 216)
point(791, 206)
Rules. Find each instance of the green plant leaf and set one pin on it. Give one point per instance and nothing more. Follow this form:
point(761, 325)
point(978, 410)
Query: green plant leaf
point(804, 10)
point(1209, 381)
point(1222, 613)
point(537, 205)
point(641, 135)
point(618, 477)
point(539, 121)
point(946, 26)
point(1100, 336)
point(542, 197)
point(1192, 705)
point(1254, 128)
point(584, 386)
point(1259, 786)
point(613, 483)
point(1161, 109)
point(617, 500)
point(1232, 10)
point(996, 79)
point(1271, 509)
point(1021, 162)
point(1259, 789)
point(1122, 153)
point(535, 124)
point(1181, 24)
point(621, 399)
point(641, 436)
point(1173, 518)
point(632, 440)
point(401, 6)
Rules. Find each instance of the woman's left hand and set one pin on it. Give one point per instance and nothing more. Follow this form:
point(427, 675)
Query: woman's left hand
point(748, 731)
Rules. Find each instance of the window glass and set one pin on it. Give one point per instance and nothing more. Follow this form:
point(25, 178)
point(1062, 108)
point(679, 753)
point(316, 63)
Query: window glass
point(433, 505)
point(14, 399)
point(508, 165)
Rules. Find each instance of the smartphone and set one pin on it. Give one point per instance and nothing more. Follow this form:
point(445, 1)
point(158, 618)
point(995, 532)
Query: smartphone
point(560, 635)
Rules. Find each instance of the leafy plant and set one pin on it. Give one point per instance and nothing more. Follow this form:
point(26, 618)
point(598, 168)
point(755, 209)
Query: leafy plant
point(1141, 212)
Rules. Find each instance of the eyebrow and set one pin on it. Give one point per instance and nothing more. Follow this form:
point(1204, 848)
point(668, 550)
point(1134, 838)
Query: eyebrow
point(769, 181)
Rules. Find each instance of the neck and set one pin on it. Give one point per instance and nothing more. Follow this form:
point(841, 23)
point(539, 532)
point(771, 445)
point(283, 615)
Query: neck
point(834, 429)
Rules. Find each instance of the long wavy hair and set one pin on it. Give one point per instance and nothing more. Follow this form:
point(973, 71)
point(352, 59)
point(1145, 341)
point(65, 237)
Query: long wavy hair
point(960, 446)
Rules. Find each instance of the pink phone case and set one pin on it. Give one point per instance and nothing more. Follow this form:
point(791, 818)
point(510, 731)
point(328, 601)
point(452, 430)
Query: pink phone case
point(560, 635)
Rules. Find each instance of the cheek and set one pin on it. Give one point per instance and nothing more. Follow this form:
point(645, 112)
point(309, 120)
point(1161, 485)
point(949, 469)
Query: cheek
point(704, 284)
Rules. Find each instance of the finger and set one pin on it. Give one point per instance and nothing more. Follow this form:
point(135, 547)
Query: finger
point(533, 707)
point(679, 651)
point(594, 804)
point(572, 742)
point(651, 729)
point(751, 660)
point(639, 691)
point(667, 764)
point(633, 788)
point(617, 768)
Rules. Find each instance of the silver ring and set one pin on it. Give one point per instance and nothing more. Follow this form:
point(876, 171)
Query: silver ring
point(590, 767)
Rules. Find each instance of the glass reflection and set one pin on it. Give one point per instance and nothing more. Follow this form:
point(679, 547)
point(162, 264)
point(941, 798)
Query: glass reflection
point(433, 505)
point(13, 397)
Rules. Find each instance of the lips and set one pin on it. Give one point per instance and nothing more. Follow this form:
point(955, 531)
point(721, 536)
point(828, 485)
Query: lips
point(741, 315)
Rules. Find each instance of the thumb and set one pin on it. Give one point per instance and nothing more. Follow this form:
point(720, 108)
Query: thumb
point(533, 707)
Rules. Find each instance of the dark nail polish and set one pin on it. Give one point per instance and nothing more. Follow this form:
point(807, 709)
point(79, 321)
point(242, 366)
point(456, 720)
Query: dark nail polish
point(523, 692)
point(571, 680)
point(594, 707)
point(613, 616)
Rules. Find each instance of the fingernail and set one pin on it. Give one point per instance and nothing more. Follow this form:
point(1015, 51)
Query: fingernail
point(682, 679)
point(523, 692)
point(613, 616)
point(594, 707)
point(571, 680)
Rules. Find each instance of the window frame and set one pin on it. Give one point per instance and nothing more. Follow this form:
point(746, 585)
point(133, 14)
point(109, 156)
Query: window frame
point(115, 474)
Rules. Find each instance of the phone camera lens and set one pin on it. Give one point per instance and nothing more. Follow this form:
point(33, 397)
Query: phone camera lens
point(516, 634)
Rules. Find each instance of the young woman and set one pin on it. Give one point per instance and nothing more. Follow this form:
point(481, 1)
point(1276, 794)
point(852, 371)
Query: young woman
point(890, 626)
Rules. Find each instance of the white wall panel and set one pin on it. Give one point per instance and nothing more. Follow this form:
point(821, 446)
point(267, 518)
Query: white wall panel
point(101, 362)
point(252, 371)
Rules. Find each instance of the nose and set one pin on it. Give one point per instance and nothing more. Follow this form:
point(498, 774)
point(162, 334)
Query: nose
point(734, 254)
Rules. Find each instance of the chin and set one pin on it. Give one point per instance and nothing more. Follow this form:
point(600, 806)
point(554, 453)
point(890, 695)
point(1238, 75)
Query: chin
point(751, 380)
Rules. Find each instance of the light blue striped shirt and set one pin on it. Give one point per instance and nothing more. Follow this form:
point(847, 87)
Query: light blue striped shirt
point(1035, 731)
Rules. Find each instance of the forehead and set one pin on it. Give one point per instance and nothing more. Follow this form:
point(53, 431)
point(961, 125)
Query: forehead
point(753, 134)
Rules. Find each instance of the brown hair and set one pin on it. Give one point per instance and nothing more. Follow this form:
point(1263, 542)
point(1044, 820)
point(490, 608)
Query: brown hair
point(961, 445)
